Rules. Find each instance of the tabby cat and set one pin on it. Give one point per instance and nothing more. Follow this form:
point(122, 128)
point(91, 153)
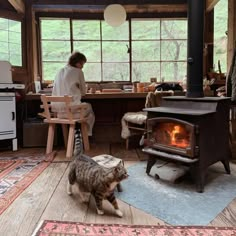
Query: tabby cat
point(93, 178)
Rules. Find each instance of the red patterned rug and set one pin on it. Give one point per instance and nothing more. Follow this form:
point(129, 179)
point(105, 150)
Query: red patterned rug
point(59, 228)
point(17, 173)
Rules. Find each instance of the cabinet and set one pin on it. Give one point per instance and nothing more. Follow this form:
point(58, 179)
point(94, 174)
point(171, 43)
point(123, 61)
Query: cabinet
point(8, 118)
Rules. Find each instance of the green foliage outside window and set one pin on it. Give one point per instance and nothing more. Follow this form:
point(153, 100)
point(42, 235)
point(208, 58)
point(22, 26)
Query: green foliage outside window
point(155, 42)
point(10, 41)
point(108, 48)
point(220, 37)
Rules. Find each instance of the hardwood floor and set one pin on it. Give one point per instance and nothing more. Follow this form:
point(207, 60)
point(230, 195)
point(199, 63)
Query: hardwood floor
point(46, 198)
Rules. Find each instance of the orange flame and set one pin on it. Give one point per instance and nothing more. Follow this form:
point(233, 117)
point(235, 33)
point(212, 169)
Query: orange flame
point(172, 134)
point(182, 142)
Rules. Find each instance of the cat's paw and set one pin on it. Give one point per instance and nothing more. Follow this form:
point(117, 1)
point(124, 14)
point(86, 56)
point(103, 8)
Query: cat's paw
point(119, 212)
point(100, 212)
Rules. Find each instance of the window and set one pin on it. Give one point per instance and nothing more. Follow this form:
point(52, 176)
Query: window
point(159, 49)
point(10, 41)
point(155, 48)
point(55, 46)
point(115, 59)
point(220, 38)
point(86, 39)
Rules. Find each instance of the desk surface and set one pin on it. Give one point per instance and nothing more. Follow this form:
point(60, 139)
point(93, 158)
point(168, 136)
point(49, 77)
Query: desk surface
point(36, 96)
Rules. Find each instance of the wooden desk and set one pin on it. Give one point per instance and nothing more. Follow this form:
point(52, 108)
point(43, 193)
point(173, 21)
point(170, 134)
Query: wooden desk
point(88, 96)
point(109, 109)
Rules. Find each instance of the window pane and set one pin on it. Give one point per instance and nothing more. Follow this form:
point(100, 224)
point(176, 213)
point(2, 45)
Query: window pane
point(173, 50)
point(174, 29)
point(115, 52)
point(92, 72)
point(4, 36)
point(4, 56)
point(55, 29)
point(55, 50)
point(16, 59)
point(92, 50)
point(51, 69)
point(14, 48)
point(145, 29)
point(146, 51)
point(14, 26)
point(87, 30)
point(173, 71)
point(220, 38)
point(115, 71)
point(3, 24)
point(115, 33)
point(10, 41)
point(4, 48)
point(143, 71)
point(15, 37)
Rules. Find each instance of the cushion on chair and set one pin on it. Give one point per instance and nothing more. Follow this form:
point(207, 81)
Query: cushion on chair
point(132, 117)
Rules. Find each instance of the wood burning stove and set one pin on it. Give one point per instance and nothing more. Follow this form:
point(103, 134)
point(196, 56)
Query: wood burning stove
point(191, 131)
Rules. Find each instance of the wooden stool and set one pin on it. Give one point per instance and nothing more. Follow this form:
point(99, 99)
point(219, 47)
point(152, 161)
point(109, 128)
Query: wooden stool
point(52, 119)
point(109, 161)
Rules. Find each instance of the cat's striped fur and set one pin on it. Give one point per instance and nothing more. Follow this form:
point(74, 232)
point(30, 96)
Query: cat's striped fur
point(93, 178)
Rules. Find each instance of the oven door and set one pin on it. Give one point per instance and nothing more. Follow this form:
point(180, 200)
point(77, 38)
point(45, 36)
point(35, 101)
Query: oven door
point(173, 136)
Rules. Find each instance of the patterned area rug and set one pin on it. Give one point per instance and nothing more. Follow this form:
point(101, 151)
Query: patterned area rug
point(57, 228)
point(17, 173)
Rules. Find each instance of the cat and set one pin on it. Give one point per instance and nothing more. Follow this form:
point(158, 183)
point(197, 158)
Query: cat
point(94, 178)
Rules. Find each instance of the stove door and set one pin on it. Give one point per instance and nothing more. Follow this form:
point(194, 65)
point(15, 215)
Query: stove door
point(173, 136)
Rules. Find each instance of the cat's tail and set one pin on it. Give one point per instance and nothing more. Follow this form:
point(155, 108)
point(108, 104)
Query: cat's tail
point(78, 147)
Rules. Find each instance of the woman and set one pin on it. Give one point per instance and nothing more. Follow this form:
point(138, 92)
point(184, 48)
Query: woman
point(70, 81)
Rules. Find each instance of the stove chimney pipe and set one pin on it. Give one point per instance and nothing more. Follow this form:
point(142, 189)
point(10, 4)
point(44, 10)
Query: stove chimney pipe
point(196, 13)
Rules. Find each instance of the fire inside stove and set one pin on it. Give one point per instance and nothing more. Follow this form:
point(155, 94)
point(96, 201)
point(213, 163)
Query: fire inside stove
point(172, 135)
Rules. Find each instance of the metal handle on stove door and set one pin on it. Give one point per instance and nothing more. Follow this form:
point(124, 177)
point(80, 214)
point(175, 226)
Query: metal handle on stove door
point(13, 115)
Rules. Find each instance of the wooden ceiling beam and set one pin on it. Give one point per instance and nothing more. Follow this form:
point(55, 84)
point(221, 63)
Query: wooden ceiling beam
point(18, 5)
point(210, 4)
point(147, 8)
point(107, 2)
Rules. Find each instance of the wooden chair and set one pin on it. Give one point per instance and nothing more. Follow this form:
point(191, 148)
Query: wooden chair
point(153, 99)
point(52, 119)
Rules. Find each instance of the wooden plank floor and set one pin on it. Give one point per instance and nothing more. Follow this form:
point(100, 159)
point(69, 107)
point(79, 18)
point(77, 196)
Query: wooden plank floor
point(46, 198)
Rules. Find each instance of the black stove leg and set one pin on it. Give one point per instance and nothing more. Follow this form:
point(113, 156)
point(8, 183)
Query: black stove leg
point(198, 177)
point(226, 166)
point(200, 183)
point(150, 163)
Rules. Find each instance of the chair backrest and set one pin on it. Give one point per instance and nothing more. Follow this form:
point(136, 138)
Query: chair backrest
point(46, 100)
point(153, 99)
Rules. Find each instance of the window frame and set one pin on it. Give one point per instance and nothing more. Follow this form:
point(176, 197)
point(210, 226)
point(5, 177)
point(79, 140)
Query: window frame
point(19, 18)
point(130, 62)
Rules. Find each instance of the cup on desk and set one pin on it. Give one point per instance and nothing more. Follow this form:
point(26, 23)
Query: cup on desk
point(140, 87)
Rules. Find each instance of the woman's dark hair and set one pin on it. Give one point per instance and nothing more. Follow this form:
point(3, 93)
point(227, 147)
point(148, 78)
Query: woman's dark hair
point(75, 58)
